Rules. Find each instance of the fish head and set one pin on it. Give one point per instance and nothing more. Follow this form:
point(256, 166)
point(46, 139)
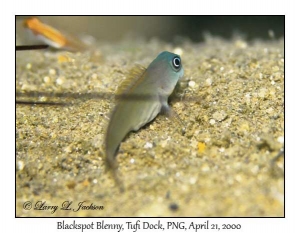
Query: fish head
point(165, 71)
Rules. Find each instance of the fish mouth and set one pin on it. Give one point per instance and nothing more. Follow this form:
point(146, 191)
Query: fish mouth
point(181, 73)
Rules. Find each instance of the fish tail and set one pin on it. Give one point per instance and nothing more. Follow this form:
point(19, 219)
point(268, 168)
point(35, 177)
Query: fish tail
point(110, 162)
point(111, 167)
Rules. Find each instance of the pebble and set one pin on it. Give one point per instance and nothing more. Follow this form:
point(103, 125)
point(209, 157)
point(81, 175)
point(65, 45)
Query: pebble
point(192, 84)
point(212, 121)
point(255, 169)
point(52, 72)
point(219, 116)
point(60, 80)
point(269, 110)
point(173, 207)
point(47, 79)
point(205, 168)
point(94, 76)
point(280, 139)
point(238, 178)
point(207, 140)
point(85, 183)
point(71, 184)
point(193, 180)
point(21, 165)
point(208, 82)
point(222, 149)
point(63, 58)
point(248, 96)
point(148, 145)
point(244, 126)
point(275, 68)
point(272, 92)
point(164, 143)
point(194, 144)
point(68, 149)
point(262, 92)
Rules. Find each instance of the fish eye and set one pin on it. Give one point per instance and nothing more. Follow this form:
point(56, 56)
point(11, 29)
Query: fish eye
point(176, 62)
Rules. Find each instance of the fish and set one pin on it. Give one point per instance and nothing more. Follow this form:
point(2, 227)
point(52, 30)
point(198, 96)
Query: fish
point(51, 36)
point(140, 98)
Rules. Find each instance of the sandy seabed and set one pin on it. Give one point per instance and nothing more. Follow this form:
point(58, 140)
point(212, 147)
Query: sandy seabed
point(231, 100)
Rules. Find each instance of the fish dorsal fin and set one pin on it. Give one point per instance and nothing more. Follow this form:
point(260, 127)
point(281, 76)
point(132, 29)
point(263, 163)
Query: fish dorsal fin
point(132, 77)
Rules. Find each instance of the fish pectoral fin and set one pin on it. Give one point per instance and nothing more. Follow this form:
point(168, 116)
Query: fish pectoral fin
point(171, 114)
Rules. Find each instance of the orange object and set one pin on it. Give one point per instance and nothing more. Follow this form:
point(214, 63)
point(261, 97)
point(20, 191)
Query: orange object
point(63, 58)
point(52, 36)
point(201, 147)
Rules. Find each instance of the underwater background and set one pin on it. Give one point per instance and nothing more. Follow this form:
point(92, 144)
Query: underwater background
point(229, 162)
